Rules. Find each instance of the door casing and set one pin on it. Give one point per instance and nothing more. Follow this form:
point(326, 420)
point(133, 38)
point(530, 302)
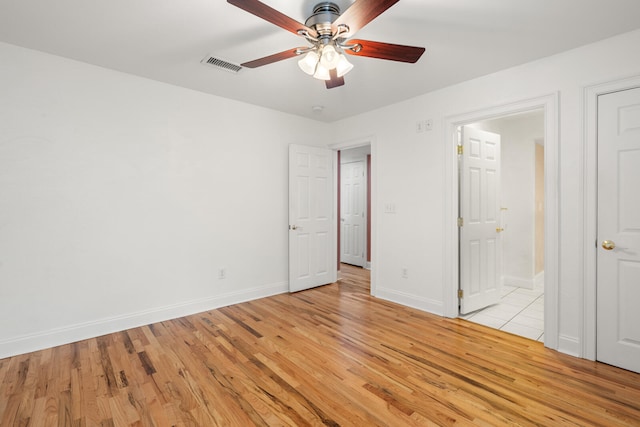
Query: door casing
point(549, 104)
point(355, 143)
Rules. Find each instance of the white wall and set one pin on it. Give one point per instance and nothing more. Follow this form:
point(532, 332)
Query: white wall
point(121, 198)
point(411, 171)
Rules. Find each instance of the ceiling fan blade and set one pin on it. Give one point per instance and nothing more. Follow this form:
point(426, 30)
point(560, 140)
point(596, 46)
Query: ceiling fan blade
point(271, 58)
point(392, 52)
point(335, 81)
point(361, 13)
point(269, 14)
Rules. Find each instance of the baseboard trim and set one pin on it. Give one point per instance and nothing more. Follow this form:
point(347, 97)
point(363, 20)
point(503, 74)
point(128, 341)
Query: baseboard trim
point(81, 331)
point(519, 282)
point(424, 304)
point(538, 279)
point(570, 345)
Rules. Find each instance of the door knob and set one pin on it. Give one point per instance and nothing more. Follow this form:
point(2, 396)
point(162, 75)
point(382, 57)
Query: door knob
point(293, 227)
point(608, 245)
point(499, 229)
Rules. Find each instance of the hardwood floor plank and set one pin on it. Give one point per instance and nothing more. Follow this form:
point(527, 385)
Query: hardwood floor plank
point(331, 355)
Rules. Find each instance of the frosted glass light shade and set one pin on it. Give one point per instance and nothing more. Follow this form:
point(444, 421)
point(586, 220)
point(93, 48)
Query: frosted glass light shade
point(322, 73)
point(343, 66)
point(308, 63)
point(330, 57)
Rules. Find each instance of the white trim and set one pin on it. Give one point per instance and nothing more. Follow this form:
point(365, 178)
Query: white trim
point(355, 143)
point(552, 237)
point(410, 300)
point(524, 282)
point(590, 220)
point(519, 282)
point(538, 279)
point(59, 336)
point(569, 345)
point(335, 252)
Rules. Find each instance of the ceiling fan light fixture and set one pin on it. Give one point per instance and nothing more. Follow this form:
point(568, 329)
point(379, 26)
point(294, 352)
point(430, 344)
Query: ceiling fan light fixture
point(344, 66)
point(322, 72)
point(330, 57)
point(309, 62)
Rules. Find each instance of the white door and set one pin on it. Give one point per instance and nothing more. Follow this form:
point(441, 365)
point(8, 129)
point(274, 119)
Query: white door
point(618, 259)
point(312, 230)
point(352, 213)
point(480, 242)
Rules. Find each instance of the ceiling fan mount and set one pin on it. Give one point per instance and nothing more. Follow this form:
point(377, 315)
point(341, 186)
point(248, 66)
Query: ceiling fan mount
point(321, 20)
point(327, 31)
point(323, 15)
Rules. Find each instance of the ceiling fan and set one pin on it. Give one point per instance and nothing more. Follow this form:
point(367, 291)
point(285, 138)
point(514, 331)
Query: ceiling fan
point(328, 30)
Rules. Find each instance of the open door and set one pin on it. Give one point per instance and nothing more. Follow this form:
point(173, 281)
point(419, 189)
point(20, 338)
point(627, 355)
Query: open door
point(480, 228)
point(312, 231)
point(618, 259)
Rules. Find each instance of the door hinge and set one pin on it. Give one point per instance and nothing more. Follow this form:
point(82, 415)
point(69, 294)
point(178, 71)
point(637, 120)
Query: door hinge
point(460, 149)
point(460, 222)
point(460, 293)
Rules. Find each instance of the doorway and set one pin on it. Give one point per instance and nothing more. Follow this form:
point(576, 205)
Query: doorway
point(314, 259)
point(354, 227)
point(549, 106)
point(502, 238)
point(362, 146)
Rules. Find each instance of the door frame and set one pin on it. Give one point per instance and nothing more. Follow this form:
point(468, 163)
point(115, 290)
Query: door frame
point(549, 104)
point(590, 199)
point(355, 143)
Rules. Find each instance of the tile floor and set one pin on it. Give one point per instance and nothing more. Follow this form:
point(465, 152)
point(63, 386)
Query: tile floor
point(520, 311)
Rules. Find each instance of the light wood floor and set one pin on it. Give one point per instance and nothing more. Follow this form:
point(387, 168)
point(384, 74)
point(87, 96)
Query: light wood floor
point(332, 355)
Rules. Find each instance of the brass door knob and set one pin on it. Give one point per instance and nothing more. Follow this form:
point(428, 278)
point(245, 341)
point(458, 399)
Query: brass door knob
point(608, 245)
point(499, 229)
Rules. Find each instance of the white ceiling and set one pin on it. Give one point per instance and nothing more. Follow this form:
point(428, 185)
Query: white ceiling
point(165, 40)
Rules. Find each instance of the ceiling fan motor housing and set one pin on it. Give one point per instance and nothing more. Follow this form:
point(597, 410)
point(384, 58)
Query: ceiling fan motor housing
point(323, 15)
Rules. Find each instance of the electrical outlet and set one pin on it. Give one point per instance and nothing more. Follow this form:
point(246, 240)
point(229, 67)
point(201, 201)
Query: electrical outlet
point(419, 126)
point(405, 272)
point(222, 273)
